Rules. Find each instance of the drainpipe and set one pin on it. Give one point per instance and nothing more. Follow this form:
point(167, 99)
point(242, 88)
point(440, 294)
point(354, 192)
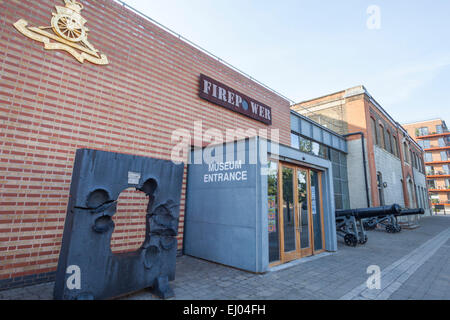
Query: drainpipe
point(364, 162)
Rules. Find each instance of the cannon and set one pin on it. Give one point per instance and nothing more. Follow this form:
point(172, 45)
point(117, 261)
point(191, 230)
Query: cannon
point(410, 212)
point(350, 223)
point(390, 221)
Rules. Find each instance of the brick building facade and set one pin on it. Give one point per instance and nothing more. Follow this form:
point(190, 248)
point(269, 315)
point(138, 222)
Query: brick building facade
point(51, 105)
point(394, 161)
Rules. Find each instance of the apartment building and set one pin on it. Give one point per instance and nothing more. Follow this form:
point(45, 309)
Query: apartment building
point(434, 137)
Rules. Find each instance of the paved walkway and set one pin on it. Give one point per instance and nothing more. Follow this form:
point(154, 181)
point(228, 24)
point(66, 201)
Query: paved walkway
point(415, 264)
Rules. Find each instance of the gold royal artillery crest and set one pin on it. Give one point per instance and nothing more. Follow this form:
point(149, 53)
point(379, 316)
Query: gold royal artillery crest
point(69, 33)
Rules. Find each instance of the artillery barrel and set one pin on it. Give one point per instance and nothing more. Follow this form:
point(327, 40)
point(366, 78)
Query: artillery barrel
point(410, 212)
point(370, 212)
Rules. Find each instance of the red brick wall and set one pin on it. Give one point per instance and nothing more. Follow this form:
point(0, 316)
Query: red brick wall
point(51, 105)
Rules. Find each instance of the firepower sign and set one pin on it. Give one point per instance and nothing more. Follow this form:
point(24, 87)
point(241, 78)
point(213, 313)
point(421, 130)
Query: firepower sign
point(222, 95)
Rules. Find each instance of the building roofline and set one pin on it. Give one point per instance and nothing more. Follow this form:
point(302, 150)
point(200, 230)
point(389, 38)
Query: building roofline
point(208, 53)
point(318, 124)
point(396, 123)
point(320, 97)
point(353, 91)
point(429, 120)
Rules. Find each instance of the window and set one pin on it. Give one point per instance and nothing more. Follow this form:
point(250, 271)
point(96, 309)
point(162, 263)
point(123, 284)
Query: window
point(422, 131)
point(380, 188)
point(431, 184)
point(405, 152)
point(439, 129)
point(441, 142)
point(315, 148)
point(419, 197)
point(388, 142)
point(445, 169)
point(447, 183)
point(428, 157)
point(429, 170)
point(294, 141)
point(305, 145)
point(426, 144)
point(382, 142)
point(272, 196)
point(319, 150)
point(395, 147)
point(309, 146)
point(340, 179)
point(420, 164)
point(374, 131)
point(444, 156)
point(420, 143)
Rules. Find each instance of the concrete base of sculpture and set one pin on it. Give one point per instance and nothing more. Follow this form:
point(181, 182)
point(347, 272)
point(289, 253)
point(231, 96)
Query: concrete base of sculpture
point(87, 268)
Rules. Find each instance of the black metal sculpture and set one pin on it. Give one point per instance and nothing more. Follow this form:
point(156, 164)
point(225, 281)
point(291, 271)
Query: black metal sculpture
point(87, 268)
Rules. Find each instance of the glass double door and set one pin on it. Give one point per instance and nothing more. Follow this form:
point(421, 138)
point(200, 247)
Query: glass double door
point(301, 226)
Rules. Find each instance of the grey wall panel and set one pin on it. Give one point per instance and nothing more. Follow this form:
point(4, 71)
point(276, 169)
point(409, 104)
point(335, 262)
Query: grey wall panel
point(327, 138)
point(306, 128)
point(317, 134)
point(223, 220)
point(390, 168)
point(310, 129)
point(295, 123)
point(357, 186)
point(329, 211)
point(228, 223)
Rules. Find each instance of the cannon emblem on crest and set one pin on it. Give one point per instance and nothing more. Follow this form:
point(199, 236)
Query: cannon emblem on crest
point(69, 33)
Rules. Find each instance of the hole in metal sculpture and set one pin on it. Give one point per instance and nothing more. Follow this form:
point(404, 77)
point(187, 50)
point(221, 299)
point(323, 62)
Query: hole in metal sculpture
point(109, 211)
point(129, 220)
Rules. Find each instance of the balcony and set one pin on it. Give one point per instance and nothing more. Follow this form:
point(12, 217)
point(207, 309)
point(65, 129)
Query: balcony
point(446, 189)
point(433, 135)
point(437, 162)
point(437, 175)
point(437, 149)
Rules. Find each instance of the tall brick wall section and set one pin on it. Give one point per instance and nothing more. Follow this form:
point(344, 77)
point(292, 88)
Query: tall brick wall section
point(51, 105)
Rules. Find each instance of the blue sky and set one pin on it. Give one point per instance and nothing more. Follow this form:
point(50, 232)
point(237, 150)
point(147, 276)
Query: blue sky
point(306, 49)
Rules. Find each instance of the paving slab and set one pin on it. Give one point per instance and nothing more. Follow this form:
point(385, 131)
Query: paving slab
point(415, 264)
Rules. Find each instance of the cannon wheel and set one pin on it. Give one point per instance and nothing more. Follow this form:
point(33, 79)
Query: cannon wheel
point(68, 27)
point(398, 228)
point(390, 229)
point(350, 240)
point(363, 238)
